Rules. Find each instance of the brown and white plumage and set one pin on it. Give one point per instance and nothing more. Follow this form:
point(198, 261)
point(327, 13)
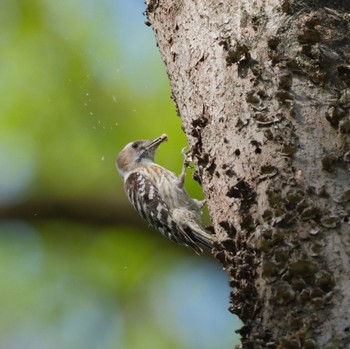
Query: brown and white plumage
point(159, 196)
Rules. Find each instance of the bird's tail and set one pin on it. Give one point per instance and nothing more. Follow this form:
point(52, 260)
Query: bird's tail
point(200, 235)
point(192, 232)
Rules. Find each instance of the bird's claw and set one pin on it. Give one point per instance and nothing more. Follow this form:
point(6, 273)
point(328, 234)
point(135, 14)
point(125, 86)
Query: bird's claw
point(186, 155)
point(184, 151)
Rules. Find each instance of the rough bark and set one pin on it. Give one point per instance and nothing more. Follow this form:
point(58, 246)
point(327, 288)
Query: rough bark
point(263, 89)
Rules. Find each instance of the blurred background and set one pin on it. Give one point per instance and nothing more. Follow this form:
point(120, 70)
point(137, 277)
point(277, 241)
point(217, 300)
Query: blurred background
point(79, 268)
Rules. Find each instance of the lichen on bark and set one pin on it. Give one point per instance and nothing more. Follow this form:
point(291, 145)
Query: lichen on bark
point(263, 89)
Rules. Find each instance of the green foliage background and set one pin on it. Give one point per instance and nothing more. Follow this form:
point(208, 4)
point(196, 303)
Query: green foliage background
point(80, 79)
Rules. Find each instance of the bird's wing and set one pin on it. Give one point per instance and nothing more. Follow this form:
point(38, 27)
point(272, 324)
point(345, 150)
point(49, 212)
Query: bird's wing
point(145, 198)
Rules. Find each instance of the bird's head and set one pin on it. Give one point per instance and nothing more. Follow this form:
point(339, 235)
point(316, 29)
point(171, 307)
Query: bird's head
point(138, 152)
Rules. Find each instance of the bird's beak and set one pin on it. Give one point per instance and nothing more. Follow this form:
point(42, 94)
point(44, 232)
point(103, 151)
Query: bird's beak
point(155, 143)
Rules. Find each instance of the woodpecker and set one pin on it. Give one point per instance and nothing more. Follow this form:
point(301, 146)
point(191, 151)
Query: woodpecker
point(159, 196)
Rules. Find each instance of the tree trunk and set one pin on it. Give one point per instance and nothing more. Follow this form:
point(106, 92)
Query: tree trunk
point(263, 89)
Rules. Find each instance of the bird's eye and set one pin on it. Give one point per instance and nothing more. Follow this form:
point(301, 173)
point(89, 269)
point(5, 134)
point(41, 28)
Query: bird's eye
point(135, 145)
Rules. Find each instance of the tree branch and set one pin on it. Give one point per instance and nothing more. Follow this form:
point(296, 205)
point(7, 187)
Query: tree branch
point(83, 211)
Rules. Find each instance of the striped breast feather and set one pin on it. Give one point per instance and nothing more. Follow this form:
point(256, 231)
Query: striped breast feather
point(145, 198)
